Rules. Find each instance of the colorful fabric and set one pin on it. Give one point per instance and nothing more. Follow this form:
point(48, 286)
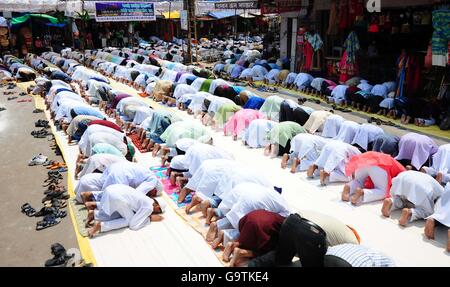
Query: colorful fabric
point(315, 41)
point(381, 160)
point(240, 121)
point(441, 35)
point(206, 85)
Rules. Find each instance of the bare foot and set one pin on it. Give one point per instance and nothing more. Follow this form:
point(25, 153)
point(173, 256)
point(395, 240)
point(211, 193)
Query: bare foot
point(346, 193)
point(448, 241)
point(429, 228)
point(86, 196)
point(387, 206)
point(91, 205)
point(218, 240)
point(90, 218)
point(284, 161)
point(195, 201)
point(94, 230)
point(228, 250)
point(358, 194)
point(439, 177)
point(267, 151)
point(323, 177)
point(212, 232)
point(183, 193)
point(204, 205)
point(238, 254)
point(209, 215)
point(405, 217)
point(156, 148)
point(294, 166)
point(311, 170)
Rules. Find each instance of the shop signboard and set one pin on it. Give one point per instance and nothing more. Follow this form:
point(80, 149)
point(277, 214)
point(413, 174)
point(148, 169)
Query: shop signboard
point(124, 11)
point(237, 5)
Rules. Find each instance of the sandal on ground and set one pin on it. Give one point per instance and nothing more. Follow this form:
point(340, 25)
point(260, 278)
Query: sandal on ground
point(45, 211)
point(49, 221)
point(28, 210)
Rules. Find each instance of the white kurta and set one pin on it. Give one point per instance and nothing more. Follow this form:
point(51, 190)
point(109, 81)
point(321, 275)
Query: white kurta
point(83, 143)
point(316, 121)
point(332, 126)
point(206, 179)
point(131, 174)
point(256, 135)
point(240, 174)
point(418, 188)
point(307, 148)
point(182, 89)
point(197, 101)
point(334, 157)
point(441, 163)
point(253, 197)
point(89, 182)
point(122, 206)
point(347, 132)
point(197, 84)
point(442, 208)
point(104, 137)
point(366, 134)
point(141, 114)
point(200, 152)
point(99, 162)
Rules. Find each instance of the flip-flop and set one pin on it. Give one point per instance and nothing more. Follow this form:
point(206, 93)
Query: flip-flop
point(48, 221)
point(28, 210)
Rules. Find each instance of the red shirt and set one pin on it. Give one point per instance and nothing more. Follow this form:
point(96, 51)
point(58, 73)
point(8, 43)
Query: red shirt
point(106, 124)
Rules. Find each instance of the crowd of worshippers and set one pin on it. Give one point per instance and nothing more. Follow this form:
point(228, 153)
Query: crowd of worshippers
point(379, 98)
point(406, 173)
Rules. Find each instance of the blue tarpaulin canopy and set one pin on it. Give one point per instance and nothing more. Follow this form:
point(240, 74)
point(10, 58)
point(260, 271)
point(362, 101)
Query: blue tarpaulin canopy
point(221, 14)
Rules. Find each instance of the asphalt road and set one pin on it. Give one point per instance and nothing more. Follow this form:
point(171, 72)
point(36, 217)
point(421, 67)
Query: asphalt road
point(20, 243)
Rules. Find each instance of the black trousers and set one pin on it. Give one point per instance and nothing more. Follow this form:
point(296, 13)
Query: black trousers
point(297, 237)
point(334, 261)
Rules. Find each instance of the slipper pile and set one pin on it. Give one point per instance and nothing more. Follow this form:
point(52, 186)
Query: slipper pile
point(54, 201)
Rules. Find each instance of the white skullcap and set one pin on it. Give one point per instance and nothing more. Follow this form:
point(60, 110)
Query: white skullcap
point(204, 139)
point(162, 204)
point(185, 143)
point(178, 162)
point(159, 188)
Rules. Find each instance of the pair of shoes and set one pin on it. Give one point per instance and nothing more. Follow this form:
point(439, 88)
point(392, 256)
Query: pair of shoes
point(42, 124)
point(37, 160)
point(38, 111)
point(60, 257)
point(55, 188)
point(42, 133)
point(11, 98)
point(56, 194)
point(2, 109)
point(56, 203)
point(48, 221)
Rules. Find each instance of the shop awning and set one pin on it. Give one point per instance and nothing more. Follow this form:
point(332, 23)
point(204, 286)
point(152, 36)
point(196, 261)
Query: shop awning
point(173, 15)
point(24, 18)
point(222, 14)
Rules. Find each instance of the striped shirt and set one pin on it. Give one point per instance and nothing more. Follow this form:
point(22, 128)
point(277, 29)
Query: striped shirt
point(360, 256)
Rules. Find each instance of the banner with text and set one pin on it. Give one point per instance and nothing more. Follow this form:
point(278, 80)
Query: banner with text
point(124, 11)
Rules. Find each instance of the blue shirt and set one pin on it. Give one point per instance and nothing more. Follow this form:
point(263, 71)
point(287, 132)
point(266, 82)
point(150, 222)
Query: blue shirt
point(88, 111)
